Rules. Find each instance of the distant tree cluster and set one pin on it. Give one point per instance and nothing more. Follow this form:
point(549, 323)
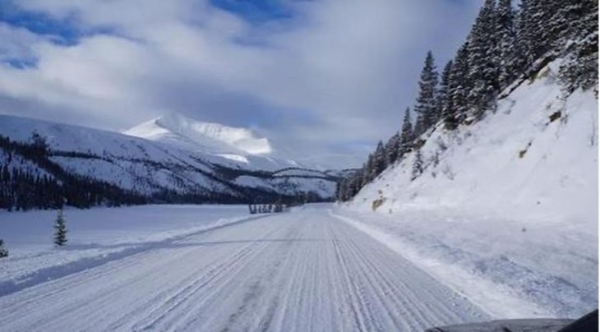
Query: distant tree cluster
point(22, 189)
point(49, 186)
point(267, 208)
point(504, 45)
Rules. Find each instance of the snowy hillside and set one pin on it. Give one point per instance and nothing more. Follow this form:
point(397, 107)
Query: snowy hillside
point(496, 197)
point(535, 157)
point(155, 167)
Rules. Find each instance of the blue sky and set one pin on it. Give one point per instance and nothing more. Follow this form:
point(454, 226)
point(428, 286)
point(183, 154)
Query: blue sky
point(256, 12)
point(38, 22)
point(323, 78)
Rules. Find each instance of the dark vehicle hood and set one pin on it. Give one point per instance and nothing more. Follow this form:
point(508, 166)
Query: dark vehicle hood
point(512, 325)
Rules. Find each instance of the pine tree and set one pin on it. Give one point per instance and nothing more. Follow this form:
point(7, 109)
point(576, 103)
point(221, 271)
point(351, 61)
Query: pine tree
point(444, 102)
point(417, 168)
point(552, 24)
point(537, 28)
point(368, 170)
point(354, 185)
point(407, 136)
point(60, 233)
point(525, 33)
point(392, 149)
point(532, 25)
point(459, 87)
point(426, 103)
point(3, 251)
point(580, 25)
point(483, 62)
point(379, 160)
point(507, 43)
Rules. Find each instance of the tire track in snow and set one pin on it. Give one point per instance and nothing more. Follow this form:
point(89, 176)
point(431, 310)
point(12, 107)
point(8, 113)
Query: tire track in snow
point(218, 277)
point(302, 271)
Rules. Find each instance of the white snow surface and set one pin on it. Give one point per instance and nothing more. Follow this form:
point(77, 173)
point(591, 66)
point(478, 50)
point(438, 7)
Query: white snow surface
point(509, 203)
point(97, 235)
point(183, 268)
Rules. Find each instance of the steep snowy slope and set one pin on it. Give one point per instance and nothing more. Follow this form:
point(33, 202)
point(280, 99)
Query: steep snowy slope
point(506, 209)
point(149, 167)
point(535, 157)
point(240, 145)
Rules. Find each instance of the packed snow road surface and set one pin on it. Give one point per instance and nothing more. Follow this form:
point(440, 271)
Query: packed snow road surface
point(300, 271)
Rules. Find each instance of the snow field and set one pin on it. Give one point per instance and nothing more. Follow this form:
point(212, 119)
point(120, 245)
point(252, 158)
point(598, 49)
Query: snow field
point(96, 236)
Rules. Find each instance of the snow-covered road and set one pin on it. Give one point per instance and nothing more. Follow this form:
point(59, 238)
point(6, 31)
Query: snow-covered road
point(300, 271)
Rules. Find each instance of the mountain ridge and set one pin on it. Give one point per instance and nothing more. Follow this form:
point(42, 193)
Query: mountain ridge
point(152, 171)
point(207, 134)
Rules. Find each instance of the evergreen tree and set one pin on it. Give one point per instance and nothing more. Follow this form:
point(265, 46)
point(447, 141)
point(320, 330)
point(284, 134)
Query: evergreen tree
point(524, 34)
point(444, 102)
point(507, 43)
point(407, 136)
point(347, 192)
point(538, 28)
point(459, 87)
point(426, 107)
point(60, 230)
point(379, 160)
point(552, 25)
point(354, 185)
point(417, 168)
point(392, 149)
point(338, 189)
point(531, 24)
point(369, 170)
point(579, 20)
point(483, 62)
point(3, 251)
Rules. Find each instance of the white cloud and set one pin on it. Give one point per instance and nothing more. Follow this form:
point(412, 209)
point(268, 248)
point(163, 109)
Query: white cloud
point(350, 66)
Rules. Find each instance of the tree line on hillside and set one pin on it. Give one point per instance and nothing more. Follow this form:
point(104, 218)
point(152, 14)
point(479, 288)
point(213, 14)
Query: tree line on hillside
point(505, 46)
point(38, 182)
point(30, 179)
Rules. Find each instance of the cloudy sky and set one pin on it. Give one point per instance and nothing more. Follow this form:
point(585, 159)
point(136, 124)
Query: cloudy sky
point(326, 79)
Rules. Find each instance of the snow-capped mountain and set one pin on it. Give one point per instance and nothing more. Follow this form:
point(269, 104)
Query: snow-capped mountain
point(239, 145)
point(179, 159)
point(178, 128)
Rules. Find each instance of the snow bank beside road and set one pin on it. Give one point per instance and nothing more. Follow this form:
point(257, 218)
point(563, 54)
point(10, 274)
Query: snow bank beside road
point(508, 270)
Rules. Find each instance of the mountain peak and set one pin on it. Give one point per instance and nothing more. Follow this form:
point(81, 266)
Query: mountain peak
point(175, 127)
